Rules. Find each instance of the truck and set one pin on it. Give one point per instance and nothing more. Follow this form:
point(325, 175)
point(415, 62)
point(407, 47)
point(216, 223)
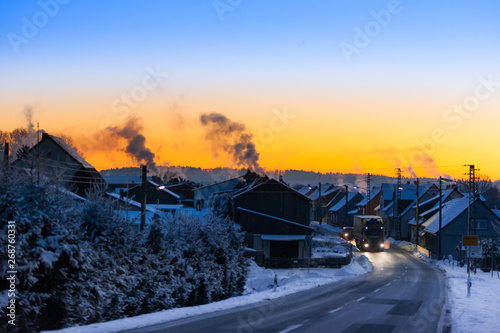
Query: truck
point(368, 232)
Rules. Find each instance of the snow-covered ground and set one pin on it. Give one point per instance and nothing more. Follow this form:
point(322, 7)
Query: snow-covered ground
point(481, 311)
point(478, 313)
point(260, 286)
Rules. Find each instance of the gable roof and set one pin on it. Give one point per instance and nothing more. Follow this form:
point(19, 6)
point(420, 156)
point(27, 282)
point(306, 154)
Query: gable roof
point(373, 193)
point(339, 205)
point(450, 211)
point(70, 151)
point(263, 181)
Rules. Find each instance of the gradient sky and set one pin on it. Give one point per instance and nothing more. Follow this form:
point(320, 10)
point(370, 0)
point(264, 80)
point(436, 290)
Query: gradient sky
point(412, 96)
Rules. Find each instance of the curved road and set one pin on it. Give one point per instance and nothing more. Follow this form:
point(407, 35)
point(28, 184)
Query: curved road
point(402, 294)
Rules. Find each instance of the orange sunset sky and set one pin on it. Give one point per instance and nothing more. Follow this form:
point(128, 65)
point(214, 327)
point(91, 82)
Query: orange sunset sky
point(328, 87)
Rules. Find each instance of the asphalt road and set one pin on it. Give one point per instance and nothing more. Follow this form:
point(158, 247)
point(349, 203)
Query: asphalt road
point(402, 294)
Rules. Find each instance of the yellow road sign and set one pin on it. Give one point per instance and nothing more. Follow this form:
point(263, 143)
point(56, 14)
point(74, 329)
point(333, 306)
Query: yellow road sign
point(469, 240)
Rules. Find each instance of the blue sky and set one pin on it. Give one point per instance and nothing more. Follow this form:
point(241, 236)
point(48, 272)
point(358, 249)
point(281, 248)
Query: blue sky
point(263, 54)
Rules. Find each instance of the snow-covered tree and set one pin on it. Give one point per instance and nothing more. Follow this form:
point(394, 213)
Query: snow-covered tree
point(491, 252)
point(80, 263)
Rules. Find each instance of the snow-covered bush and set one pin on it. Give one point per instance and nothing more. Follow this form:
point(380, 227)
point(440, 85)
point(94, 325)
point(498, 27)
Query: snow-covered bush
point(491, 253)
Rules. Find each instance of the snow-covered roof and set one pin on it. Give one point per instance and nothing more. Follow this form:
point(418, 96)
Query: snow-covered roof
point(373, 193)
point(466, 195)
point(496, 211)
point(353, 212)
point(283, 237)
point(339, 205)
point(304, 189)
point(389, 206)
point(450, 211)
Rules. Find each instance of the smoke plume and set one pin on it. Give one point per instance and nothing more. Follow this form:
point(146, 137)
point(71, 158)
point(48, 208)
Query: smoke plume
point(233, 138)
point(28, 113)
point(136, 147)
point(409, 168)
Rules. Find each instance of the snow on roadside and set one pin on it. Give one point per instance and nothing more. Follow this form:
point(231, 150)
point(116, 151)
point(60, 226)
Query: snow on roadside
point(259, 287)
point(479, 312)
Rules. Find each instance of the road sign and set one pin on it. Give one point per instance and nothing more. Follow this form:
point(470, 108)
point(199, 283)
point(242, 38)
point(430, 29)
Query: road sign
point(476, 251)
point(469, 240)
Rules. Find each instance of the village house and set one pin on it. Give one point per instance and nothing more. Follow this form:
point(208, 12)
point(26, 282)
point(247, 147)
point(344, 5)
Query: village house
point(368, 206)
point(275, 218)
point(455, 224)
point(55, 159)
point(341, 215)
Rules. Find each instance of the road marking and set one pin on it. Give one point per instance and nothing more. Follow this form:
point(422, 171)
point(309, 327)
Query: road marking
point(335, 310)
point(376, 290)
point(360, 299)
point(291, 328)
point(388, 284)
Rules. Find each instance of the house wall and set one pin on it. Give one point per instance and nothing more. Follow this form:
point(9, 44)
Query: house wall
point(257, 224)
point(374, 202)
point(276, 200)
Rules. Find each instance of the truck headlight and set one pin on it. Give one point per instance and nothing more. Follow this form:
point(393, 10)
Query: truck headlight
point(345, 235)
point(366, 244)
point(382, 245)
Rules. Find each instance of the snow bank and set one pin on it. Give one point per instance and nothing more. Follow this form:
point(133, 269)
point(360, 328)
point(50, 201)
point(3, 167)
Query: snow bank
point(259, 287)
point(259, 279)
point(410, 247)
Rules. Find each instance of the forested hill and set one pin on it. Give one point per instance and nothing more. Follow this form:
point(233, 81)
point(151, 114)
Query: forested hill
point(292, 177)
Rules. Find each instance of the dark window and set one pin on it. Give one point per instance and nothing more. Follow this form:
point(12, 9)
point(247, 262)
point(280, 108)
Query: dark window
point(481, 224)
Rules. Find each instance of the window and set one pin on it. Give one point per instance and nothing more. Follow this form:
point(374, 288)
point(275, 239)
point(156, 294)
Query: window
point(481, 224)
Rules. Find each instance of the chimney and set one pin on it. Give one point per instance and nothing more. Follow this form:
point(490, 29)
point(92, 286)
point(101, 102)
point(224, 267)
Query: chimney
point(45, 135)
point(122, 194)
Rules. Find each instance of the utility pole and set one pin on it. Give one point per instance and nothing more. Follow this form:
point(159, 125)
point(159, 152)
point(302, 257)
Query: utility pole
point(318, 210)
point(472, 196)
point(346, 203)
point(144, 196)
point(397, 221)
point(6, 161)
point(416, 217)
point(440, 215)
point(367, 192)
point(472, 186)
point(38, 153)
